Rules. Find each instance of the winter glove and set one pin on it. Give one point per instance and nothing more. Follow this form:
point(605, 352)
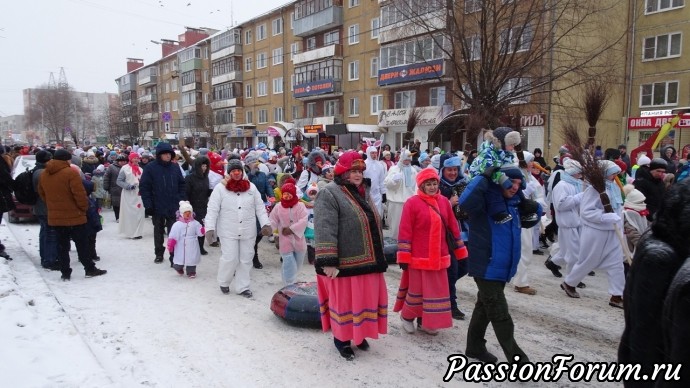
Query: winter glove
point(610, 218)
point(211, 236)
point(131, 187)
point(383, 198)
point(266, 230)
point(578, 197)
point(403, 266)
point(148, 212)
point(397, 177)
point(287, 232)
point(489, 172)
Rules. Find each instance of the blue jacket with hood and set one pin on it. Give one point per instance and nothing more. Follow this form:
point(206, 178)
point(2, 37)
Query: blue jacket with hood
point(162, 186)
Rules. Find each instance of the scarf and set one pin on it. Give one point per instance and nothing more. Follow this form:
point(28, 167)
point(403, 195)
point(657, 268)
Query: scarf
point(577, 183)
point(407, 173)
point(135, 169)
point(239, 186)
point(615, 196)
point(289, 203)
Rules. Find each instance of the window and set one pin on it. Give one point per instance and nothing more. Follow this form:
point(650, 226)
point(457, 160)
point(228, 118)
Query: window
point(375, 27)
point(167, 106)
point(404, 99)
point(514, 91)
point(353, 73)
point(188, 99)
point(311, 109)
point(292, 18)
point(376, 104)
point(659, 93)
point(353, 34)
point(167, 87)
point(174, 105)
point(330, 108)
point(207, 98)
point(473, 45)
point(262, 116)
point(248, 91)
point(247, 64)
point(277, 85)
point(418, 50)
point(437, 96)
point(278, 114)
point(249, 115)
point(662, 5)
point(174, 85)
point(261, 88)
point(294, 49)
point(224, 116)
point(205, 77)
point(226, 91)
point(662, 46)
point(311, 43)
point(189, 77)
point(261, 32)
point(278, 56)
point(330, 69)
point(248, 37)
point(352, 3)
point(204, 53)
point(354, 107)
point(226, 39)
point(472, 6)
point(261, 60)
point(189, 54)
point(331, 37)
point(277, 26)
point(227, 65)
point(374, 69)
point(404, 11)
point(296, 112)
point(516, 39)
point(292, 82)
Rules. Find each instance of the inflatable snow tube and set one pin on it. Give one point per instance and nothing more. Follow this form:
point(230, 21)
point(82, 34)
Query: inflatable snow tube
point(390, 249)
point(298, 304)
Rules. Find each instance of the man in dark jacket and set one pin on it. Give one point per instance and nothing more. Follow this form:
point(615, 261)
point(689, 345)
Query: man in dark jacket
point(650, 182)
point(47, 236)
point(62, 190)
point(260, 180)
point(6, 184)
point(162, 187)
point(198, 192)
point(494, 255)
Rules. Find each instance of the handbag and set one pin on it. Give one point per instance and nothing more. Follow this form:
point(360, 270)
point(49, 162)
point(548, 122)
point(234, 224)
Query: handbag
point(450, 239)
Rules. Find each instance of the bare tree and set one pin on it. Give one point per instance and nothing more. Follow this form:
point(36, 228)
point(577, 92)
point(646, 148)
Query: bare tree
point(54, 108)
point(505, 52)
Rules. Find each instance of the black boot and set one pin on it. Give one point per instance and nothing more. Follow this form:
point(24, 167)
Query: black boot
point(201, 245)
point(171, 260)
point(255, 261)
point(553, 268)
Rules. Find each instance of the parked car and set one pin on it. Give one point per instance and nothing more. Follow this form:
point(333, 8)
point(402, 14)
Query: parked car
point(22, 212)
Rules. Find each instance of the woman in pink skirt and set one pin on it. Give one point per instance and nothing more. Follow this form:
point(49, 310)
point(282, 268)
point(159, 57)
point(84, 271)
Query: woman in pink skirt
point(424, 255)
point(349, 259)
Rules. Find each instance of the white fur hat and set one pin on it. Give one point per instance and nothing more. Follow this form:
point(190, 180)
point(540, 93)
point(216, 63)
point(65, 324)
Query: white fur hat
point(572, 166)
point(634, 199)
point(185, 206)
point(643, 161)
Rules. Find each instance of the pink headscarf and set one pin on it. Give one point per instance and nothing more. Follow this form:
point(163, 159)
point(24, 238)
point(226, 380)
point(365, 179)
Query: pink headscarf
point(135, 166)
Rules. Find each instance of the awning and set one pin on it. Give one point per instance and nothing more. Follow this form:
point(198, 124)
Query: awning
point(449, 124)
point(301, 130)
point(336, 129)
point(275, 131)
point(363, 128)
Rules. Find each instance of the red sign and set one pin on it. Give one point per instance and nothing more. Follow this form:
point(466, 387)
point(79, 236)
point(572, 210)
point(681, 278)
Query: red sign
point(316, 128)
point(654, 122)
point(327, 142)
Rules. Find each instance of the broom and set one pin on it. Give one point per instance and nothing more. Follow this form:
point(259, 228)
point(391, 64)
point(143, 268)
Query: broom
point(593, 174)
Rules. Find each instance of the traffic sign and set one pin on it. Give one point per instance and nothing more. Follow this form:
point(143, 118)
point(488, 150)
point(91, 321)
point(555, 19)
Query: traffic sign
point(166, 116)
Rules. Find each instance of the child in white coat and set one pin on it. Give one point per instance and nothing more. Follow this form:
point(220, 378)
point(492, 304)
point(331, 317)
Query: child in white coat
point(183, 242)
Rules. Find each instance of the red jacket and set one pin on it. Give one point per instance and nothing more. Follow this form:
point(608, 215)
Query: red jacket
point(422, 238)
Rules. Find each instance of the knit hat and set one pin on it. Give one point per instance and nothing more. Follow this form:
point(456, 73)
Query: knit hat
point(643, 160)
point(454, 161)
point(62, 154)
point(90, 154)
point(261, 146)
point(202, 151)
point(133, 155)
point(349, 160)
point(512, 172)
point(621, 164)
point(235, 164)
point(43, 156)
point(185, 206)
point(437, 149)
point(505, 136)
point(296, 150)
point(656, 163)
point(436, 161)
point(327, 167)
point(425, 175)
point(528, 157)
point(572, 167)
point(146, 154)
point(424, 156)
point(251, 158)
point(634, 199)
point(386, 153)
point(609, 167)
point(405, 155)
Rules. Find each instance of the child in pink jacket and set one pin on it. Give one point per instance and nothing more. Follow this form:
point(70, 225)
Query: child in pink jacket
point(290, 217)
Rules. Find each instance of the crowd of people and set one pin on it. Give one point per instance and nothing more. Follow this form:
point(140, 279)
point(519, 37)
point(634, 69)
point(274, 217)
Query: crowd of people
point(486, 213)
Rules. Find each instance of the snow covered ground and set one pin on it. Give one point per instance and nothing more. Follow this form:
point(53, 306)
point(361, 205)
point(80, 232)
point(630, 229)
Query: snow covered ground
point(143, 325)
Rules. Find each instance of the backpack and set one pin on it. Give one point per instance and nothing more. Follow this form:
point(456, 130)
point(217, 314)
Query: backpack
point(24, 188)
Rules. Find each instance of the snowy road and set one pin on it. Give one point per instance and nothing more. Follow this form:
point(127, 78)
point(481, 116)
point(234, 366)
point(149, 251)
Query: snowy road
point(144, 325)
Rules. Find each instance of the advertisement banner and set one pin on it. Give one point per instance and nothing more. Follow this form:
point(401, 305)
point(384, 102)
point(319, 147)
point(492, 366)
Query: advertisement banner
point(314, 88)
point(655, 122)
point(413, 72)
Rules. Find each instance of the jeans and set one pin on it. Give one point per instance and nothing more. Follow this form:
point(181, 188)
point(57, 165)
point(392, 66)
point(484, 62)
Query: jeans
point(292, 263)
point(79, 235)
point(492, 307)
point(47, 243)
point(159, 224)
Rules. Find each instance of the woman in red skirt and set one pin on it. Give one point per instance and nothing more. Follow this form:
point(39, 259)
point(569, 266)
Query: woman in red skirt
point(424, 255)
point(349, 259)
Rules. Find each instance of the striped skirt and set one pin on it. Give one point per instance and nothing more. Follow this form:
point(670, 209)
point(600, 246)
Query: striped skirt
point(425, 294)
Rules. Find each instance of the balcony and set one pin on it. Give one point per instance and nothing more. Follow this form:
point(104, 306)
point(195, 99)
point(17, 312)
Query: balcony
point(235, 49)
point(427, 23)
point(148, 80)
point(318, 22)
point(190, 87)
point(227, 77)
point(318, 89)
point(126, 102)
point(227, 103)
point(334, 50)
point(191, 108)
point(150, 116)
point(148, 98)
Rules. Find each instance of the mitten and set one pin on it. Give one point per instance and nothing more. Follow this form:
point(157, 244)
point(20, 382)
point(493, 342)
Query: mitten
point(211, 236)
point(403, 266)
point(266, 230)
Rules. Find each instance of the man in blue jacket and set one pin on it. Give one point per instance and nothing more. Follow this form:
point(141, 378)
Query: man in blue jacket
point(162, 187)
point(494, 253)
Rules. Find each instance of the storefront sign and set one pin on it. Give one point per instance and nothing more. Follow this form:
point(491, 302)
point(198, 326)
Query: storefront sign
point(314, 128)
point(326, 142)
point(414, 72)
point(429, 116)
point(654, 122)
point(659, 112)
point(314, 88)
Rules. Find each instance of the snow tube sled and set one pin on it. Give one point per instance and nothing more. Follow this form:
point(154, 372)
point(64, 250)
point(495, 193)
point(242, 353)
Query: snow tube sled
point(390, 249)
point(298, 304)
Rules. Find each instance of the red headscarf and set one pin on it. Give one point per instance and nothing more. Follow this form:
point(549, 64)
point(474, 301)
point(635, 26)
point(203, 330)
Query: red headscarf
point(135, 166)
point(216, 163)
point(289, 188)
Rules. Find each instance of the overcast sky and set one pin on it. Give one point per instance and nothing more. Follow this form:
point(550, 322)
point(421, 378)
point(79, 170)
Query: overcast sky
point(92, 39)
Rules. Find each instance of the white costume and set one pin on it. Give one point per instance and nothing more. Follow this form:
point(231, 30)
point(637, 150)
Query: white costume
point(400, 186)
point(186, 234)
point(131, 207)
point(566, 202)
point(233, 216)
point(376, 172)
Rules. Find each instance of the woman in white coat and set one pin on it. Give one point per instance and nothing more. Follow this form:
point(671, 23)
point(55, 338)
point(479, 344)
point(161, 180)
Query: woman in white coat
point(131, 207)
point(233, 209)
point(376, 173)
point(400, 186)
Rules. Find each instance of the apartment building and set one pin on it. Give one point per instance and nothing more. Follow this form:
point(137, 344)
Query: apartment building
point(659, 82)
point(12, 130)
